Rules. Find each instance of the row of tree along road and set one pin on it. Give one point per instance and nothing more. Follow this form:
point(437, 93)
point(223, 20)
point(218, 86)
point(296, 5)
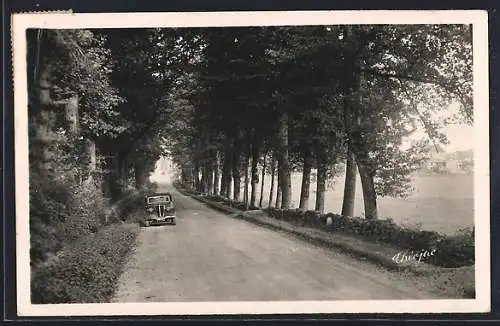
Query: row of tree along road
point(320, 98)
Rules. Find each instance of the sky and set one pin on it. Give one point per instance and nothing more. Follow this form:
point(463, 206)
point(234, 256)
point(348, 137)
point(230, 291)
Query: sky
point(460, 136)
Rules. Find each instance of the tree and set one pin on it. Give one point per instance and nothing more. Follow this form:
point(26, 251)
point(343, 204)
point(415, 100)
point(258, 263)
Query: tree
point(72, 103)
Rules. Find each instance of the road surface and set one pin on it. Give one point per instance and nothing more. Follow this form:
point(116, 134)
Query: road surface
point(209, 256)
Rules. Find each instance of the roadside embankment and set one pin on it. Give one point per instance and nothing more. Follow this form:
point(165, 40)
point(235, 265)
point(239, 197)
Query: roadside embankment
point(87, 267)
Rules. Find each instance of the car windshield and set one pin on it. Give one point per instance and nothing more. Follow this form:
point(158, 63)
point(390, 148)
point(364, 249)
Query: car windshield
point(159, 199)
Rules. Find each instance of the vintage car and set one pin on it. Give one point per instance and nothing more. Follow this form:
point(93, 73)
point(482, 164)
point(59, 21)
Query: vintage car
point(160, 209)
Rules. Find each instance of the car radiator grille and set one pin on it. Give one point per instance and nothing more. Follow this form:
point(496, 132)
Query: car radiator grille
point(162, 210)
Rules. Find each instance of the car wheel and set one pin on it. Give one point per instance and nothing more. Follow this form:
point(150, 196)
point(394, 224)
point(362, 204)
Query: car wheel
point(173, 222)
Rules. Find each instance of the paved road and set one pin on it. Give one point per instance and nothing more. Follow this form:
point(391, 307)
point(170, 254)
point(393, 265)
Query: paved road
point(209, 256)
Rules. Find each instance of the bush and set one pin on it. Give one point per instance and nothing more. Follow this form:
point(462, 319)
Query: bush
point(45, 240)
point(87, 212)
point(138, 217)
point(131, 201)
point(61, 212)
point(130, 207)
point(229, 202)
point(457, 250)
point(85, 271)
point(47, 213)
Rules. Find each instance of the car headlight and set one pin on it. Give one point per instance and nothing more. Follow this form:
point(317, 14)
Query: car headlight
point(150, 210)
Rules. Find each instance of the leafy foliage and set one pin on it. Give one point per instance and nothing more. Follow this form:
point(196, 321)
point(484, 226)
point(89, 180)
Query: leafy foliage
point(81, 65)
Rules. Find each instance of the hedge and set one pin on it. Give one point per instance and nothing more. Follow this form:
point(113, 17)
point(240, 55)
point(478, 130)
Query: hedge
point(231, 203)
point(451, 251)
point(60, 213)
point(219, 199)
point(87, 270)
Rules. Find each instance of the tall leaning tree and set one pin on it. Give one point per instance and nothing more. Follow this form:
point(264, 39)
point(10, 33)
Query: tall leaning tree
point(419, 71)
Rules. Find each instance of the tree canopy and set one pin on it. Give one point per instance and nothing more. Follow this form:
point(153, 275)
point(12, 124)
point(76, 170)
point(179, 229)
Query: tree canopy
point(221, 102)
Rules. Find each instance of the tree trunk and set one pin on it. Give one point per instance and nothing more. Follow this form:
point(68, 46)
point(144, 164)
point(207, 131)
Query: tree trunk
point(254, 175)
point(285, 179)
point(273, 168)
point(228, 165)
point(106, 179)
point(350, 185)
point(183, 176)
point(38, 113)
point(216, 174)
point(306, 182)
point(91, 152)
point(226, 170)
point(320, 185)
point(369, 194)
point(236, 166)
point(229, 182)
point(278, 187)
point(246, 177)
point(210, 177)
point(44, 98)
point(229, 175)
point(203, 179)
point(188, 177)
point(262, 181)
point(197, 183)
point(279, 195)
point(223, 177)
point(72, 116)
point(114, 175)
point(140, 174)
point(123, 176)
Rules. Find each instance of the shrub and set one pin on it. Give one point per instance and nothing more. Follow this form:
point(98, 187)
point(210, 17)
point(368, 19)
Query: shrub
point(45, 240)
point(87, 212)
point(47, 213)
point(457, 250)
point(131, 201)
point(130, 207)
point(61, 212)
point(213, 197)
point(87, 270)
point(229, 202)
point(138, 216)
